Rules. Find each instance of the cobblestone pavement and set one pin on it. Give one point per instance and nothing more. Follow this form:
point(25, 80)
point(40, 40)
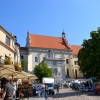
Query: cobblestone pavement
point(69, 94)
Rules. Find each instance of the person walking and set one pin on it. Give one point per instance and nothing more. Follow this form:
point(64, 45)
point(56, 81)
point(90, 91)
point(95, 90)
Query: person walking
point(39, 91)
point(46, 92)
point(43, 90)
point(8, 91)
point(57, 88)
point(14, 90)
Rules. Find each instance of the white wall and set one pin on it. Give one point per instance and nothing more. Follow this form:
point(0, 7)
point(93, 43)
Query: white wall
point(3, 38)
point(40, 54)
point(5, 51)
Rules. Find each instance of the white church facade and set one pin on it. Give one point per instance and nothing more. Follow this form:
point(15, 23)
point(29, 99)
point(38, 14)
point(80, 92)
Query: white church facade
point(55, 52)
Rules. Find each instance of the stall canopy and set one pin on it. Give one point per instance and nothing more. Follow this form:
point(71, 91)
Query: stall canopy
point(29, 76)
point(15, 74)
point(8, 71)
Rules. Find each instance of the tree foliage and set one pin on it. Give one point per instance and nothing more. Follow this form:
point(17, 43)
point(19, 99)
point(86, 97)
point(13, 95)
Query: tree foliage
point(23, 64)
point(42, 70)
point(89, 55)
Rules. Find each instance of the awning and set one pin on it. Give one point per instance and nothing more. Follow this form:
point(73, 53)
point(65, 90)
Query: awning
point(29, 76)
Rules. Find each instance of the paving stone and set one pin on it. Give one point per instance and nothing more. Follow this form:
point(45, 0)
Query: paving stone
point(69, 94)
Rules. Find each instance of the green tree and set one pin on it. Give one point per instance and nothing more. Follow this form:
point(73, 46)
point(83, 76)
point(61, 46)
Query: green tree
point(23, 64)
point(42, 70)
point(89, 55)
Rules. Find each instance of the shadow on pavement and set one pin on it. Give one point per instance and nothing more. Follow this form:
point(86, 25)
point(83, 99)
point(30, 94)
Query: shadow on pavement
point(73, 93)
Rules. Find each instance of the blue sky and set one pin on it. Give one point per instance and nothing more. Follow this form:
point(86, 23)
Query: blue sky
point(49, 17)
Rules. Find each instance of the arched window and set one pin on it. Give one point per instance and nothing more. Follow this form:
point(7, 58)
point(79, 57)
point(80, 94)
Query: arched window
point(67, 72)
point(75, 73)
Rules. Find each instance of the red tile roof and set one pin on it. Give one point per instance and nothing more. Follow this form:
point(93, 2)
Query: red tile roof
point(75, 49)
point(40, 41)
point(8, 46)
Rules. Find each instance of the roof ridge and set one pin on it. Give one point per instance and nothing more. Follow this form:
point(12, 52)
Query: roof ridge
point(45, 35)
point(74, 45)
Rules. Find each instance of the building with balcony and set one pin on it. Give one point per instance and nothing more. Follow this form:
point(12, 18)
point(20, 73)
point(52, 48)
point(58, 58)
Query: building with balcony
point(55, 51)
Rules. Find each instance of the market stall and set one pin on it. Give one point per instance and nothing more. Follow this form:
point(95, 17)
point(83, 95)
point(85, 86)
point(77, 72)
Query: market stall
point(24, 90)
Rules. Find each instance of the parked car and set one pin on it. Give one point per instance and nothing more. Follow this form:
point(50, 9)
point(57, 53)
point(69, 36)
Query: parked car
point(97, 87)
point(87, 85)
point(75, 86)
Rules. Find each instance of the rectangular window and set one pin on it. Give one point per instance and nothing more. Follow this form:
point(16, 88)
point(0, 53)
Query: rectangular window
point(7, 40)
point(50, 55)
point(36, 59)
point(55, 71)
point(66, 61)
point(54, 64)
point(76, 62)
point(22, 57)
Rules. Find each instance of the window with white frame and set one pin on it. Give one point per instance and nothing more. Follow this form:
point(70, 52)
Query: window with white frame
point(76, 62)
point(36, 59)
point(54, 63)
point(50, 53)
point(67, 61)
point(7, 40)
point(55, 71)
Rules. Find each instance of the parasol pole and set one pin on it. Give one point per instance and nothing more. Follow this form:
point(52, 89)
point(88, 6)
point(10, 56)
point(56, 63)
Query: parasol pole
point(28, 80)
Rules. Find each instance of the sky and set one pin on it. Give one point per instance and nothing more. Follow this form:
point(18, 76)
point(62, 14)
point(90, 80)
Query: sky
point(49, 17)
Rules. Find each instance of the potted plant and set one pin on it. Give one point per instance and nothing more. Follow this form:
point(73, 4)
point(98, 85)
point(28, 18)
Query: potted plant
point(23, 64)
point(8, 60)
point(17, 67)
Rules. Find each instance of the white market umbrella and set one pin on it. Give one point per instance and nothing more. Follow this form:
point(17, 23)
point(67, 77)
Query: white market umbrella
point(9, 71)
point(29, 76)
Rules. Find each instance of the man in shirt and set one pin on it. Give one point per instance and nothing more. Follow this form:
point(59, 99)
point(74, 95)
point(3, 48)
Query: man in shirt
point(43, 90)
point(8, 91)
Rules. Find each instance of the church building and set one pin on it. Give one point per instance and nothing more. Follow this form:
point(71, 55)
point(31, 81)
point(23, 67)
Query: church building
point(55, 52)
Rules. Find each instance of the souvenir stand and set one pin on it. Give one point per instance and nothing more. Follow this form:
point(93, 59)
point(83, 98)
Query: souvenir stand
point(24, 90)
